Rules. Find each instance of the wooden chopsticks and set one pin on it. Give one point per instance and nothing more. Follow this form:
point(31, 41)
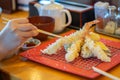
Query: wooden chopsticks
point(48, 33)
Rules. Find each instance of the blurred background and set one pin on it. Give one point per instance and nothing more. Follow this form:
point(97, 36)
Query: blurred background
point(84, 12)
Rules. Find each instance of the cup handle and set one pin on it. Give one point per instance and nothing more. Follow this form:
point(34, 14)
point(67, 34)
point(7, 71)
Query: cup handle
point(69, 17)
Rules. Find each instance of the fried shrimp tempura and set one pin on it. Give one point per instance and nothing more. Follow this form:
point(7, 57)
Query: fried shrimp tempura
point(84, 41)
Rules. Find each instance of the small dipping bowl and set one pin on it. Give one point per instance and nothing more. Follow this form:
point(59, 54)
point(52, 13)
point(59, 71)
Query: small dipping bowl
point(31, 43)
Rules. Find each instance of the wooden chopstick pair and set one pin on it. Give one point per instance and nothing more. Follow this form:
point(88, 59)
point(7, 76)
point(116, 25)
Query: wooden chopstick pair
point(5, 20)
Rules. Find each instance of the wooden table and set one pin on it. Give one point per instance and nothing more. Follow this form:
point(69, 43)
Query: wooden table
point(28, 70)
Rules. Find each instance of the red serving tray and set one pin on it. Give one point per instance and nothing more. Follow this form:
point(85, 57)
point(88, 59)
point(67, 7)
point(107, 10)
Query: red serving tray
point(80, 66)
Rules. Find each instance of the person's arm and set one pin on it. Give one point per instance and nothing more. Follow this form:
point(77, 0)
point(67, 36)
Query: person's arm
point(14, 34)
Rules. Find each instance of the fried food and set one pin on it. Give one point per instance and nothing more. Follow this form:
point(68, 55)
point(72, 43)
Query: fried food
point(81, 43)
point(93, 48)
point(73, 51)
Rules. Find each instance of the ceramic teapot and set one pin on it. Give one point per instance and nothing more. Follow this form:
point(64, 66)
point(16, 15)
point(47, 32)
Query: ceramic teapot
point(56, 11)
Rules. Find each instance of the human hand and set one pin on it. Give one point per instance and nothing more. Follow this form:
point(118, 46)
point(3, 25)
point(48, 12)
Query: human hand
point(15, 33)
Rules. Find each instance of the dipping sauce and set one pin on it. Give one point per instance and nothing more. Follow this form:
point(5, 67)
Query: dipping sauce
point(29, 44)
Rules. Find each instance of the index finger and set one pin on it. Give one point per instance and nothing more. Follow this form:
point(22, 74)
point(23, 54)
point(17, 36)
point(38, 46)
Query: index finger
point(20, 20)
point(26, 27)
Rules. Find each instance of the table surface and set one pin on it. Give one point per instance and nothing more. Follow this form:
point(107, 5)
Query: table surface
point(29, 70)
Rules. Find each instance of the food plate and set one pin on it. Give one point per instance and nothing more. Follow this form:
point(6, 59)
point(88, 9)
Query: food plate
point(80, 66)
